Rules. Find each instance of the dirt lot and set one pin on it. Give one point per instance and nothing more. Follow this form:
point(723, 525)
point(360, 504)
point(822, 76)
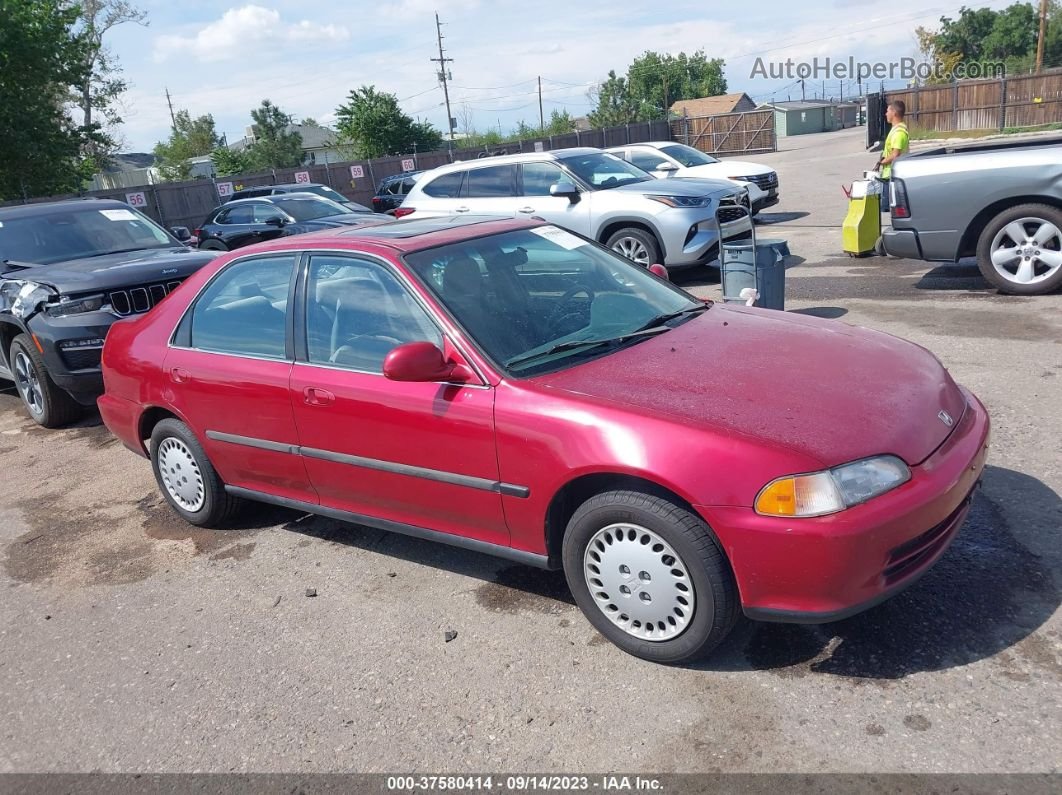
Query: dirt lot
point(132, 642)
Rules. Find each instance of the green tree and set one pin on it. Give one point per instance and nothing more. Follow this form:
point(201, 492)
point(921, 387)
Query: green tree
point(653, 83)
point(228, 161)
point(189, 138)
point(560, 123)
point(372, 124)
point(275, 145)
point(41, 60)
point(983, 36)
point(310, 122)
point(98, 92)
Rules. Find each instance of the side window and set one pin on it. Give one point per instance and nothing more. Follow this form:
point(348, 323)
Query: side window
point(358, 311)
point(241, 214)
point(447, 186)
point(263, 212)
point(540, 177)
point(646, 160)
point(405, 186)
point(490, 182)
point(244, 309)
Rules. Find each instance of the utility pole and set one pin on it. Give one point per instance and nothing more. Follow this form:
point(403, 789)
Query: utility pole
point(443, 77)
point(1043, 33)
point(541, 116)
point(173, 121)
point(666, 106)
point(803, 96)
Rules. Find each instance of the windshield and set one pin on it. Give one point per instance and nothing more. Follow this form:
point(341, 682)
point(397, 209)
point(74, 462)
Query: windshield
point(601, 170)
point(303, 208)
point(81, 231)
point(328, 193)
point(687, 155)
point(542, 299)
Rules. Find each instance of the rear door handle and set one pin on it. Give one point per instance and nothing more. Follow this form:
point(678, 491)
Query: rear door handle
point(317, 397)
point(461, 210)
point(179, 376)
point(527, 210)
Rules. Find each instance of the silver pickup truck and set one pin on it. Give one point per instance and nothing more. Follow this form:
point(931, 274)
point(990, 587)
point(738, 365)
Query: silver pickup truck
point(998, 201)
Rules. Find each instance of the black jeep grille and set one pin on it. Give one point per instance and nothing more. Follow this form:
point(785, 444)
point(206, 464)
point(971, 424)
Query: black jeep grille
point(136, 300)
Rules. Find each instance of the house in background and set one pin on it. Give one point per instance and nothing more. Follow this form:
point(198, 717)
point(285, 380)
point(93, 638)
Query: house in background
point(127, 171)
point(801, 117)
point(320, 145)
point(713, 106)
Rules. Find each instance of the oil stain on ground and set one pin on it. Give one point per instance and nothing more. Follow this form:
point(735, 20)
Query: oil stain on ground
point(985, 598)
point(520, 589)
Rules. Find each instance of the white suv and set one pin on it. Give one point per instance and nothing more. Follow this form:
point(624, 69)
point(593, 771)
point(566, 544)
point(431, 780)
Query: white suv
point(596, 195)
point(667, 159)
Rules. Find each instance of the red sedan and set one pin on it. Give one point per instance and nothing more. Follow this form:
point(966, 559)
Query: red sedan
point(511, 388)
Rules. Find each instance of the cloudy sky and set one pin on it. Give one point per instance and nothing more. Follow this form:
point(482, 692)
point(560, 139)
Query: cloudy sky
point(224, 57)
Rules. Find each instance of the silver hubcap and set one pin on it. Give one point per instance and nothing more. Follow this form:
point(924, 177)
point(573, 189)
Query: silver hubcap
point(180, 474)
point(639, 582)
point(29, 386)
point(633, 249)
point(1027, 251)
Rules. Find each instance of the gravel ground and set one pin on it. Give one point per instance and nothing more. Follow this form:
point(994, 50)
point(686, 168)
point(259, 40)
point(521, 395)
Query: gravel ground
point(130, 641)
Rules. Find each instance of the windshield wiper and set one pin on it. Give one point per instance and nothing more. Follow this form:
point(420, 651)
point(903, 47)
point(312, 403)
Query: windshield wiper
point(572, 345)
point(661, 320)
point(124, 251)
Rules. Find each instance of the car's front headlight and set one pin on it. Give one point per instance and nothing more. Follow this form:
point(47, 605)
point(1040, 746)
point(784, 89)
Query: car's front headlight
point(682, 201)
point(22, 298)
point(76, 306)
point(821, 493)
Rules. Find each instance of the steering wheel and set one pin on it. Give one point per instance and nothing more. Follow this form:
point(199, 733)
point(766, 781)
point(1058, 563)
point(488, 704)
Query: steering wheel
point(565, 306)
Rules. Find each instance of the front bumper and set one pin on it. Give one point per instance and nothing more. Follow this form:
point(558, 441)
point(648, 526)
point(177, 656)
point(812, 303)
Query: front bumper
point(71, 348)
point(823, 569)
point(689, 239)
point(769, 200)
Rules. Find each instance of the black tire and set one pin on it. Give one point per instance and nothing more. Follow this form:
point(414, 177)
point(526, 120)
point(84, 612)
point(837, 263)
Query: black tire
point(218, 506)
point(631, 235)
point(213, 245)
point(47, 404)
point(1040, 212)
point(716, 605)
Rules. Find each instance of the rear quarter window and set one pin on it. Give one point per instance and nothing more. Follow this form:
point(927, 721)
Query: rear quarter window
point(445, 186)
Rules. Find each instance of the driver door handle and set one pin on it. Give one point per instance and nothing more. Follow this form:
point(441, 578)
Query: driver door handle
point(461, 210)
point(527, 210)
point(317, 397)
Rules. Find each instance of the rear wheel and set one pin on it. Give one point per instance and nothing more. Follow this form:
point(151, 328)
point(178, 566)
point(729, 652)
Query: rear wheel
point(1020, 250)
point(637, 245)
point(186, 477)
point(46, 403)
point(649, 575)
point(213, 245)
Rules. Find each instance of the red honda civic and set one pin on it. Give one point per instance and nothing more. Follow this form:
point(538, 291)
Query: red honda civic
point(511, 388)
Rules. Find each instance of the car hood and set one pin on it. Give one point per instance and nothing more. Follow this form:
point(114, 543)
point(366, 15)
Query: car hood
point(824, 389)
point(115, 271)
point(679, 186)
point(727, 168)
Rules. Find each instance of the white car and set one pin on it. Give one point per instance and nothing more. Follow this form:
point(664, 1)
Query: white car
point(665, 159)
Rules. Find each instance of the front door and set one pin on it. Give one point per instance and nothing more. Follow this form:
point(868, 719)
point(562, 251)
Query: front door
point(420, 454)
point(535, 181)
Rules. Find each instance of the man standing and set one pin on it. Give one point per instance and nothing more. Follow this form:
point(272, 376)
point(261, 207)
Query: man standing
point(897, 141)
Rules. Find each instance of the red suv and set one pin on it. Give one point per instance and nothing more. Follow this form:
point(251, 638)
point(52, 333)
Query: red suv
point(512, 388)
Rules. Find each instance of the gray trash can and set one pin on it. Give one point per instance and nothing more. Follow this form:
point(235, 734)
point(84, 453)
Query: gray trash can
point(759, 264)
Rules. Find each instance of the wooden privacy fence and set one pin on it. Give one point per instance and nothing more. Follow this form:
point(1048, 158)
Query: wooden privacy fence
point(729, 134)
point(1026, 101)
point(189, 203)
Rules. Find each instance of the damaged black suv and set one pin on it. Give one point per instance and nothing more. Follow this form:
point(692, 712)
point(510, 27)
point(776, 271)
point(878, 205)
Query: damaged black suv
point(68, 270)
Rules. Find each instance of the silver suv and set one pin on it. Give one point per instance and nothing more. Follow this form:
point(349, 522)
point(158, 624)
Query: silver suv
point(596, 195)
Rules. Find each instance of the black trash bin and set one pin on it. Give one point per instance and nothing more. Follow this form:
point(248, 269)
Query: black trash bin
point(759, 264)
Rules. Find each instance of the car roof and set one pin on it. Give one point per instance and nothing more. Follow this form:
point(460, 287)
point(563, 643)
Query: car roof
point(523, 157)
point(270, 199)
point(47, 208)
point(288, 187)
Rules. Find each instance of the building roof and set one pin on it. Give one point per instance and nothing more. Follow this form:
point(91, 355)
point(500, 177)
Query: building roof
point(710, 106)
point(798, 104)
point(312, 138)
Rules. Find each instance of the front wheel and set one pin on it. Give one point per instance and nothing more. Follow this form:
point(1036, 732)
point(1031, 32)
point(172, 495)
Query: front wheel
point(186, 477)
point(1020, 250)
point(637, 245)
point(649, 575)
point(213, 245)
point(46, 403)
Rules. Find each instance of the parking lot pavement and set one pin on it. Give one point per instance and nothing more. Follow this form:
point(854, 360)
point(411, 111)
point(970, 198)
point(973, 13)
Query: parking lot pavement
point(130, 641)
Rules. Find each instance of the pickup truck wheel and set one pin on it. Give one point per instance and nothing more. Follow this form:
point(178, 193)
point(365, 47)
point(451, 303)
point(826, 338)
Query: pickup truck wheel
point(650, 577)
point(186, 477)
point(1020, 250)
point(637, 245)
point(46, 403)
point(213, 245)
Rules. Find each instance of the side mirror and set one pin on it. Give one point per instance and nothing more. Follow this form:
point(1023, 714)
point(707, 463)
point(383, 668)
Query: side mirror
point(181, 233)
point(276, 221)
point(659, 271)
point(565, 190)
point(668, 168)
point(422, 361)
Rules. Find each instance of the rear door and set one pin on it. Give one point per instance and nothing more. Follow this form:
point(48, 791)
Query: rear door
point(535, 181)
point(229, 368)
point(490, 190)
point(235, 227)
